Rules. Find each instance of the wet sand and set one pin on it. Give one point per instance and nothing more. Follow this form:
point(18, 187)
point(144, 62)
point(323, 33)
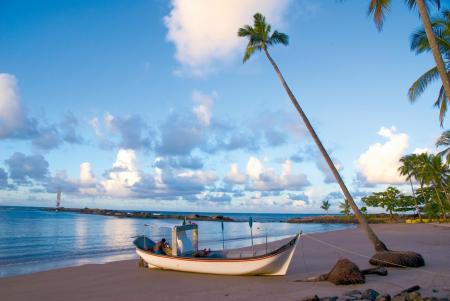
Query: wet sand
point(123, 280)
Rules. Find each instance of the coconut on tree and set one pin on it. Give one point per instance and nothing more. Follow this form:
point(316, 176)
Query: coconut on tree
point(260, 38)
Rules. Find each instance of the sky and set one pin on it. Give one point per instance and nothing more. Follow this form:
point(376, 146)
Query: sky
point(146, 104)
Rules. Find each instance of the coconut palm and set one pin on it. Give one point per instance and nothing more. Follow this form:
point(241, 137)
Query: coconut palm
point(420, 44)
point(325, 205)
point(431, 177)
point(345, 208)
point(437, 175)
point(408, 168)
point(379, 8)
point(444, 140)
point(260, 37)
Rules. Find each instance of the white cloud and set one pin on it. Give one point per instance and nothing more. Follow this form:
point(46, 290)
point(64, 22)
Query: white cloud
point(380, 162)
point(206, 30)
point(234, 176)
point(254, 168)
point(198, 176)
point(299, 204)
point(123, 175)
point(266, 179)
point(12, 116)
point(87, 180)
point(203, 105)
point(86, 175)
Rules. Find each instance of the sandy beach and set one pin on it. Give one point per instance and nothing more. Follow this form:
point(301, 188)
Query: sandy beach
point(125, 281)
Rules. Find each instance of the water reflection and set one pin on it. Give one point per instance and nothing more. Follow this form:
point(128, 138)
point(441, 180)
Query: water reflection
point(33, 240)
point(80, 232)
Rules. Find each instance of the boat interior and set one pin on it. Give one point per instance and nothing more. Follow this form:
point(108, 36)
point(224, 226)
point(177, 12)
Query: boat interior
point(144, 243)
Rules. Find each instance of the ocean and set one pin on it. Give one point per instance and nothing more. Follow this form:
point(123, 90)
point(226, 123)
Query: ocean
point(33, 239)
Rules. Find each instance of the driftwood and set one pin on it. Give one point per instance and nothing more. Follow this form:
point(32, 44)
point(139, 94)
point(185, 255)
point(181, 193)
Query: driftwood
point(381, 271)
point(345, 272)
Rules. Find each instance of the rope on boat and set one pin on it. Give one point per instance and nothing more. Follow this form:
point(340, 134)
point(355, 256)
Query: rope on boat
point(367, 257)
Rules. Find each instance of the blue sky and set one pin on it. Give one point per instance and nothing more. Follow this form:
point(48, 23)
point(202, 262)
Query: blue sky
point(147, 105)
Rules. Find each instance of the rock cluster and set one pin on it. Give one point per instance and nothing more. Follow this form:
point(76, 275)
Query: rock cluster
point(410, 294)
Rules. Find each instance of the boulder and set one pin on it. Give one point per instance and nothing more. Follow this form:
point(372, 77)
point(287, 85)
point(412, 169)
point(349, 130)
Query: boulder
point(345, 272)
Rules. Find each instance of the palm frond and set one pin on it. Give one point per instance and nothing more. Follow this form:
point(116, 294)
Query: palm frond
point(422, 83)
point(245, 31)
point(441, 29)
point(444, 139)
point(248, 52)
point(379, 8)
point(441, 103)
point(259, 22)
point(278, 38)
point(419, 41)
point(412, 3)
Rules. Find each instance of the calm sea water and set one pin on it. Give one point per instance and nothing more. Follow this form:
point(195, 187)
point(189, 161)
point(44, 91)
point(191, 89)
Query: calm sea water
point(33, 240)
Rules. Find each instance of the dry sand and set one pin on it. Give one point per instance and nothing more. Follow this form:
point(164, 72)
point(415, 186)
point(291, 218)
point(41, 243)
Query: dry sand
point(125, 281)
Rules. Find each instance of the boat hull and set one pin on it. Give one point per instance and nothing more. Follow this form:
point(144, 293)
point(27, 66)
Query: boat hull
point(274, 263)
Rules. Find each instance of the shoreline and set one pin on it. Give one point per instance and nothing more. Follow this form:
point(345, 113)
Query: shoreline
point(123, 280)
point(379, 218)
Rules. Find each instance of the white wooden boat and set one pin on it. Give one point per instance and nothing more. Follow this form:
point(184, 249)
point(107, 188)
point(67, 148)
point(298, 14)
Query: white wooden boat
point(273, 263)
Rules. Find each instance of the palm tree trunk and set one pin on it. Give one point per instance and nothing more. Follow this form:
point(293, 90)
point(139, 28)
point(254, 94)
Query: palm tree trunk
point(378, 244)
point(445, 192)
point(441, 205)
point(415, 199)
point(434, 46)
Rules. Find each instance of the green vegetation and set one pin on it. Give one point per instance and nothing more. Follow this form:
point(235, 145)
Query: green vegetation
point(364, 210)
point(326, 205)
point(391, 200)
point(345, 208)
point(431, 198)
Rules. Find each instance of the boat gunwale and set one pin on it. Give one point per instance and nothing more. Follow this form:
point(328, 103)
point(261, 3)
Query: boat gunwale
point(284, 248)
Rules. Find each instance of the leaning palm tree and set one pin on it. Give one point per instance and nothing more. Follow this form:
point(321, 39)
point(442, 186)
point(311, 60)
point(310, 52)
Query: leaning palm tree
point(420, 44)
point(260, 37)
point(444, 140)
point(379, 8)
